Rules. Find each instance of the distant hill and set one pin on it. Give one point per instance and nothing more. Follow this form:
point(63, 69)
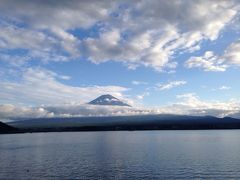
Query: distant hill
point(143, 122)
point(109, 100)
point(4, 128)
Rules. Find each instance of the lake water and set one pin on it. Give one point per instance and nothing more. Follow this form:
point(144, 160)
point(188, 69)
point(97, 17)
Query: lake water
point(121, 155)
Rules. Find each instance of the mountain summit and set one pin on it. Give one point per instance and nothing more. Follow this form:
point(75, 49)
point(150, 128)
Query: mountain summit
point(108, 99)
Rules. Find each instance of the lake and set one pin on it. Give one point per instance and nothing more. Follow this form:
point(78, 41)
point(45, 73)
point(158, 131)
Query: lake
point(213, 154)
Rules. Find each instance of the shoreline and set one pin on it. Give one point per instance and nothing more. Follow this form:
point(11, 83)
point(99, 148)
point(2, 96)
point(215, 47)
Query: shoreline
point(96, 129)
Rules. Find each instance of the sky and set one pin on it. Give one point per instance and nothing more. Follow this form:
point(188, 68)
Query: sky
point(176, 56)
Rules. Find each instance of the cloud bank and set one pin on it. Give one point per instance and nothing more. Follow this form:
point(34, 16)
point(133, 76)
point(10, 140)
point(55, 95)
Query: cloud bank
point(188, 104)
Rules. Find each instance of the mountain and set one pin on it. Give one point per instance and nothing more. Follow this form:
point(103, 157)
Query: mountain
point(143, 122)
point(4, 128)
point(108, 99)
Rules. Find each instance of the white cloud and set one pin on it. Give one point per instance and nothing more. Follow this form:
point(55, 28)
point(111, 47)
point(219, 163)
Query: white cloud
point(37, 45)
point(207, 62)
point(139, 83)
point(224, 88)
point(38, 86)
point(221, 88)
point(68, 42)
point(191, 104)
point(211, 62)
point(143, 95)
point(43, 27)
point(23, 38)
point(170, 85)
point(9, 112)
point(163, 28)
point(143, 33)
point(232, 54)
point(65, 14)
point(93, 110)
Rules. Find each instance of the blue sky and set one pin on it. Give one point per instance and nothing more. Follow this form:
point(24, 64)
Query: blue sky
point(165, 56)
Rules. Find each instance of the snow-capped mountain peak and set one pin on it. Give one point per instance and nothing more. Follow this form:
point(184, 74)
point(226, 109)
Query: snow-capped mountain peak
point(107, 99)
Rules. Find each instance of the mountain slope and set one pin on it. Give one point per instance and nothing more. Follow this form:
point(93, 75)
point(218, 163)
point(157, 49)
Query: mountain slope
point(4, 128)
point(109, 100)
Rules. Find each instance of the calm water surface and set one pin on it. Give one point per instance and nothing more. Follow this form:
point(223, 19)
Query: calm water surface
point(121, 155)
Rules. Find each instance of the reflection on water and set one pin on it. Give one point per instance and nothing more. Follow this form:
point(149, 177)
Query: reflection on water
point(121, 155)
